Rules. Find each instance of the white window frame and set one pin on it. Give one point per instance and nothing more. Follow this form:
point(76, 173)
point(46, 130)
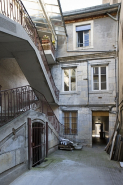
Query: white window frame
point(100, 78)
point(69, 79)
point(75, 35)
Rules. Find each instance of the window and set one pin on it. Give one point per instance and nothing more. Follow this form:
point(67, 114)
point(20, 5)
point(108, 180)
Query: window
point(69, 77)
point(99, 78)
point(83, 34)
point(70, 122)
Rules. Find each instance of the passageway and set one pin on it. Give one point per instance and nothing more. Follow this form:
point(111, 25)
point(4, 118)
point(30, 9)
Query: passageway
point(100, 128)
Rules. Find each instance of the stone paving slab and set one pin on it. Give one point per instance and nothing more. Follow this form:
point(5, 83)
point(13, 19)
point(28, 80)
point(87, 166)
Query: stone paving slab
point(90, 166)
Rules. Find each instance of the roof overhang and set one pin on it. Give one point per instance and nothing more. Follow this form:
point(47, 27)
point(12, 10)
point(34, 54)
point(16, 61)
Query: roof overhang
point(91, 11)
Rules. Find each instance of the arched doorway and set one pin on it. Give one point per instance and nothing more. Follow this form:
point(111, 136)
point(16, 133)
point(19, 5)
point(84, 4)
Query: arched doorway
point(38, 143)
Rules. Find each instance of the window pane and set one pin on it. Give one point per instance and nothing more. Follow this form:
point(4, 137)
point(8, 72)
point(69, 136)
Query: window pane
point(103, 78)
point(66, 80)
point(73, 122)
point(70, 122)
point(103, 70)
point(86, 38)
point(95, 70)
point(96, 78)
point(73, 79)
point(103, 86)
point(66, 123)
point(96, 86)
point(80, 38)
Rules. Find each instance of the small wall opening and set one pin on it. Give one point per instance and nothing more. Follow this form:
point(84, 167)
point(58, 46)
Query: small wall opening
point(100, 128)
point(38, 143)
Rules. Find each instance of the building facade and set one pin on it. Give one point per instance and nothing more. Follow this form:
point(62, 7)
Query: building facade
point(85, 73)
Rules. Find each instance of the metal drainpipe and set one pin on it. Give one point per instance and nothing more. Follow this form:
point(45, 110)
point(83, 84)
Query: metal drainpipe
point(116, 59)
point(88, 81)
point(117, 62)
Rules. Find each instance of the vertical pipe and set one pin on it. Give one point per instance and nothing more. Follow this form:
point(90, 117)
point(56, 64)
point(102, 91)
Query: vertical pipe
point(88, 81)
point(46, 139)
point(29, 143)
point(1, 102)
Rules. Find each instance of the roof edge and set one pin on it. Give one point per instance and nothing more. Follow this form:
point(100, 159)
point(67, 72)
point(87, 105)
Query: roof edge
point(90, 9)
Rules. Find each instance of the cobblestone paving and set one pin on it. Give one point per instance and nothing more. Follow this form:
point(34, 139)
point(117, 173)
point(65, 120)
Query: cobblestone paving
point(90, 166)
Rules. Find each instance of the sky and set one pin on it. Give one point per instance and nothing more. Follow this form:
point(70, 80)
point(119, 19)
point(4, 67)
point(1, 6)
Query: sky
point(68, 5)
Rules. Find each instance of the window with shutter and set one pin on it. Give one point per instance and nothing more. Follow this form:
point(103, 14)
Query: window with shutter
point(83, 35)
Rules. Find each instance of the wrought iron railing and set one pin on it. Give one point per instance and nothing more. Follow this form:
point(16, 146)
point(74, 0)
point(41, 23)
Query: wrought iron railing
point(16, 101)
point(15, 10)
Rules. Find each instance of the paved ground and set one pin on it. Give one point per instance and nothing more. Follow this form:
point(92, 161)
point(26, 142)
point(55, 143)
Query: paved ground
point(91, 166)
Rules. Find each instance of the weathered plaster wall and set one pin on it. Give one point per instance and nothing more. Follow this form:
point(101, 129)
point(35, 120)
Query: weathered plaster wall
point(104, 32)
point(11, 75)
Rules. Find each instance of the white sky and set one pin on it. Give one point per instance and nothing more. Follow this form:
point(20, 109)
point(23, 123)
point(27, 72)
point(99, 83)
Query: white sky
point(68, 5)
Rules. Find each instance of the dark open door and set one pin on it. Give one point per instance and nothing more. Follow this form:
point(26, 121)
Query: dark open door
point(38, 143)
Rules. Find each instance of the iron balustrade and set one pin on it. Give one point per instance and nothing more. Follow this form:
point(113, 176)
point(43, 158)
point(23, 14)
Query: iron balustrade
point(16, 101)
point(15, 10)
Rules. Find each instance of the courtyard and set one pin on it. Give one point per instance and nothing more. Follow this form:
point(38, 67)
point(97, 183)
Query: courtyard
point(89, 166)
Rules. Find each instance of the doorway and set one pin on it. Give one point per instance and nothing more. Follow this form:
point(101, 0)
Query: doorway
point(38, 143)
point(100, 127)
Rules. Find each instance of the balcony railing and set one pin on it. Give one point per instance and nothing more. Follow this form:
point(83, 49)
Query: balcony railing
point(15, 10)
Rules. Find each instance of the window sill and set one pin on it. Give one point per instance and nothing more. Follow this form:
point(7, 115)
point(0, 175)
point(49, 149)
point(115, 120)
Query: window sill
point(100, 92)
point(70, 92)
point(83, 48)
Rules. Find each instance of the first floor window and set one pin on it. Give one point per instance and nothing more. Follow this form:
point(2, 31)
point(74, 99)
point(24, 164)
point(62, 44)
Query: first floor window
point(99, 78)
point(69, 79)
point(70, 122)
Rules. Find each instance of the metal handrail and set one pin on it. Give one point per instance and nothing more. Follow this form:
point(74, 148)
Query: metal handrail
point(15, 10)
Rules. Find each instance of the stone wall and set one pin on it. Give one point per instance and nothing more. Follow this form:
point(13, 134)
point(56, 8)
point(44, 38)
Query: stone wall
point(14, 145)
point(80, 97)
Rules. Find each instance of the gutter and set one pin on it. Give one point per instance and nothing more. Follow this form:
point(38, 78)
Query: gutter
point(90, 10)
point(116, 59)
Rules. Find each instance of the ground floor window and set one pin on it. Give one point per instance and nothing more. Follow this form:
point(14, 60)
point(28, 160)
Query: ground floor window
point(70, 122)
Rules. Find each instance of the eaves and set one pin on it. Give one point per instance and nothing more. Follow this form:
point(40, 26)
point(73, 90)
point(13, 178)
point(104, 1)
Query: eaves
point(92, 11)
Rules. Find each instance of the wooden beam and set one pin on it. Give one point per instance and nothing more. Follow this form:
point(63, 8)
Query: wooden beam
point(100, 113)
